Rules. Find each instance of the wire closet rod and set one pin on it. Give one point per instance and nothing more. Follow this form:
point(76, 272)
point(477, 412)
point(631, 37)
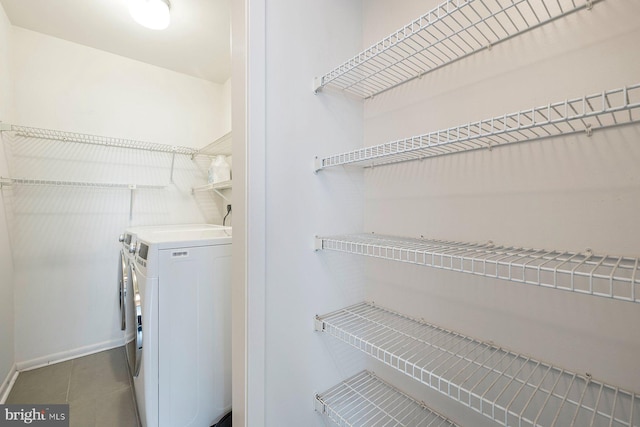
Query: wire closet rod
point(615, 107)
point(105, 141)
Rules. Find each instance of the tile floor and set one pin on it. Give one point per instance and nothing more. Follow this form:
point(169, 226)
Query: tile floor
point(97, 388)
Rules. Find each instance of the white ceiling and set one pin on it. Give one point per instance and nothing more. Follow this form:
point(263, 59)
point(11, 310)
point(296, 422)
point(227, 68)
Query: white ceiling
point(196, 43)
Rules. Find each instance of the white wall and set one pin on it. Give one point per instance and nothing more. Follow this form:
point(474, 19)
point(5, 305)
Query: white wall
point(65, 239)
point(299, 282)
point(564, 193)
point(7, 346)
point(225, 100)
point(248, 276)
point(88, 90)
point(239, 310)
point(567, 193)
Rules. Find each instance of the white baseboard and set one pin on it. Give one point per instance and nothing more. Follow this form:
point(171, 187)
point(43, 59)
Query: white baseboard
point(7, 384)
point(68, 355)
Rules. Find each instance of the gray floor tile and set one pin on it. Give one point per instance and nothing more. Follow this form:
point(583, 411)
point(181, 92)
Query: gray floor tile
point(82, 413)
point(98, 374)
point(43, 385)
point(97, 388)
point(117, 409)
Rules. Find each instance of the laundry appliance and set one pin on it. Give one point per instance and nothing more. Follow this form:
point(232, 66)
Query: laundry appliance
point(127, 316)
point(125, 293)
point(182, 294)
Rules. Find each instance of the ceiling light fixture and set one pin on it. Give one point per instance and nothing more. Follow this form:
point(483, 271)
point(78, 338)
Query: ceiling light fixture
point(153, 14)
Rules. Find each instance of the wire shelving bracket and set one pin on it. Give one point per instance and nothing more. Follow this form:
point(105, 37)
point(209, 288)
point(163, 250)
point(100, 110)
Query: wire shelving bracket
point(365, 400)
point(5, 182)
point(614, 107)
point(215, 187)
point(451, 31)
point(507, 387)
point(606, 276)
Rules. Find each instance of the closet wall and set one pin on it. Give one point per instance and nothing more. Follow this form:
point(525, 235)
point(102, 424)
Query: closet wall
point(568, 193)
point(66, 238)
point(89, 90)
point(298, 282)
point(7, 359)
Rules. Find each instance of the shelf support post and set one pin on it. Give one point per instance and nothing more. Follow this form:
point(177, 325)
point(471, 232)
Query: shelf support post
point(132, 188)
point(173, 162)
point(219, 193)
point(317, 84)
point(319, 406)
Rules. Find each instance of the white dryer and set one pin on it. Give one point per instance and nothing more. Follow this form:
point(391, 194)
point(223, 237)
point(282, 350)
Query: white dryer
point(127, 315)
point(182, 286)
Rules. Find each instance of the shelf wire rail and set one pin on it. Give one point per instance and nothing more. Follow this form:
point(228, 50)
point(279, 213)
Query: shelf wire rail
point(364, 400)
point(449, 32)
point(607, 276)
point(610, 108)
point(511, 389)
point(61, 183)
point(106, 141)
point(82, 184)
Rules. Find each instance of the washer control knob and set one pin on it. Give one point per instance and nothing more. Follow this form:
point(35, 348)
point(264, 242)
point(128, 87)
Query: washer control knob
point(121, 238)
point(132, 248)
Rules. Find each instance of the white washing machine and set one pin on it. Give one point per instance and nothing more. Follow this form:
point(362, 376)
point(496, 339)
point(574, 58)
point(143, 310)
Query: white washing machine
point(127, 316)
point(182, 287)
point(125, 291)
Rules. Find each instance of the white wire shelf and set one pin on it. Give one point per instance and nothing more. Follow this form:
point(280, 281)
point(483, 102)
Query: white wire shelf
point(509, 388)
point(365, 400)
point(216, 187)
point(607, 276)
point(451, 31)
point(614, 107)
point(221, 146)
point(224, 185)
point(106, 141)
point(61, 183)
